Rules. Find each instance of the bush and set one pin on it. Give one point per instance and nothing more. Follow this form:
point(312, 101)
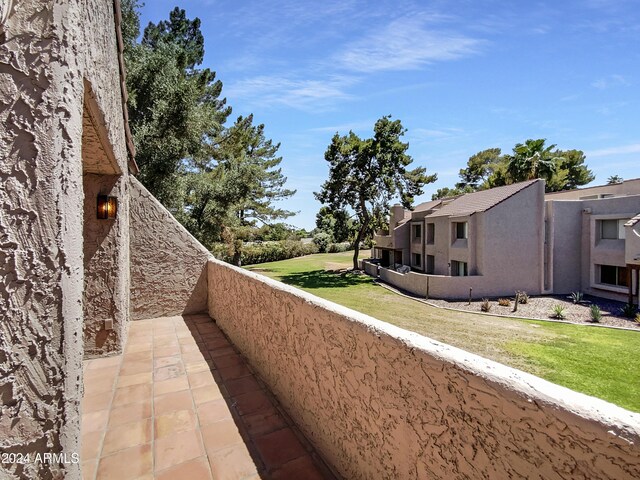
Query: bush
point(504, 302)
point(524, 298)
point(558, 312)
point(266, 251)
point(596, 314)
point(577, 297)
point(322, 240)
point(629, 310)
point(637, 317)
point(485, 306)
point(338, 247)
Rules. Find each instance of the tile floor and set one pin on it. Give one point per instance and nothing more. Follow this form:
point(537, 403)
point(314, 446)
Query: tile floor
point(182, 403)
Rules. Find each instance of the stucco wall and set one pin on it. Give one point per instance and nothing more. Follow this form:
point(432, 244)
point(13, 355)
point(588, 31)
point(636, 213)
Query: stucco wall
point(380, 402)
point(106, 267)
point(168, 265)
point(565, 236)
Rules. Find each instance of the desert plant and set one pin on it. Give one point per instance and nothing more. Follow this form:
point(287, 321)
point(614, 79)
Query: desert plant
point(629, 310)
point(504, 302)
point(485, 306)
point(522, 297)
point(558, 312)
point(596, 314)
point(577, 297)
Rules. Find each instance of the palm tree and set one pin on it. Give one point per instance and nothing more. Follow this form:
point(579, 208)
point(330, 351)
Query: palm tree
point(532, 160)
point(614, 179)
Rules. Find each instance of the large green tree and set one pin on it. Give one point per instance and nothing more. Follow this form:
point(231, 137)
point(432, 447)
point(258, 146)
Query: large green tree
point(365, 174)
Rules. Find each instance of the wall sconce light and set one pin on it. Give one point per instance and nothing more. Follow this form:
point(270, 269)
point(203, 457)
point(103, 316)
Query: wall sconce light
point(107, 207)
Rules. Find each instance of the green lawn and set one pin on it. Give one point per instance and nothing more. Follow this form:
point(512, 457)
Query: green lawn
point(597, 361)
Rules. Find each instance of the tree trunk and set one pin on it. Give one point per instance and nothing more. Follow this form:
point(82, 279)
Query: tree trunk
point(356, 249)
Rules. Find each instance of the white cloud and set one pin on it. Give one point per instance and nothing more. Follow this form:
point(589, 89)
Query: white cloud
point(303, 94)
point(405, 44)
point(611, 81)
point(619, 150)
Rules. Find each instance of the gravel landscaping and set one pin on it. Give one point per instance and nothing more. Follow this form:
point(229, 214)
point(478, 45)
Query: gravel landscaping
point(541, 308)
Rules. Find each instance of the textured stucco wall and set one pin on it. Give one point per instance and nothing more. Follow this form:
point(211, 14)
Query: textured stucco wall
point(48, 48)
point(106, 266)
point(168, 265)
point(381, 402)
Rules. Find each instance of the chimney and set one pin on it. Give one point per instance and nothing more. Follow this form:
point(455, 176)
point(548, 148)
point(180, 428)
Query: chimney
point(397, 214)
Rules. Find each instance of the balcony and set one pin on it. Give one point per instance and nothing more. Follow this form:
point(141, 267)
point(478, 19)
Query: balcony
point(383, 240)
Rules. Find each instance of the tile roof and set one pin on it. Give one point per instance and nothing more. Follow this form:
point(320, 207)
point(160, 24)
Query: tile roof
point(423, 207)
point(481, 201)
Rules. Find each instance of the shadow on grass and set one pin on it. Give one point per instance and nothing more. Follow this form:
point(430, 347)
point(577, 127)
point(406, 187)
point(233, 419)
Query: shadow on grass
point(324, 279)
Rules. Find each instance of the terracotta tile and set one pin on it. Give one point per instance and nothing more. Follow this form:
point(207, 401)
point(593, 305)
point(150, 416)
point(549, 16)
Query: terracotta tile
point(102, 385)
point(234, 372)
point(265, 421)
point(197, 469)
point(165, 340)
point(172, 385)
point(105, 362)
point(207, 337)
point(232, 463)
point(302, 467)
point(176, 449)
point(125, 436)
point(96, 402)
point(161, 362)
point(201, 379)
point(166, 351)
point(214, 411)
point(89, 468)
point(252, 402)
point(228, 360)
point(206, 394)
point(172, 422)
point(132, 348)
point(189, 347)
point(132, 463)
point(172, 402)
point(135, 367)
point(242, 385)
point(94, 421)
point(194, 357)
point(136, 379)
point(138, 357)
point(207, 327)
point(133, 394)
point(279, 447)
point(202, 366)
point(130, 413)
point(217, 343)
point(91, 445)
point(165, 373)
point(140, 340)
point(220, 435)
point(192, 339)
point(221, 352)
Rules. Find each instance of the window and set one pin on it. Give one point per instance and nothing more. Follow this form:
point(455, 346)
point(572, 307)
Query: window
point(612, 229)
point(417, 260)
point(461, 230)
point(431, 233)
point(612, 275)
point(459, 269)
point(417, 232)
point(431, 264)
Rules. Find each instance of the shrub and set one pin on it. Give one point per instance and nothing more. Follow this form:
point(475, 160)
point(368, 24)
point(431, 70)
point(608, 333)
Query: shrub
point(629, 310)
point(524, 298)
point(558, 312)
point(504, 302)
point(322, 240)
point(338, 247)
point(596, 314)
point(266, 251)
point(485, 306)
point(637, 317)
point(577, 297)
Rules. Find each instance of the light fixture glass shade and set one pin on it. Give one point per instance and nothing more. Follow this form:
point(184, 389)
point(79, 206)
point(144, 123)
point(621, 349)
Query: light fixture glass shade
point(107, 207)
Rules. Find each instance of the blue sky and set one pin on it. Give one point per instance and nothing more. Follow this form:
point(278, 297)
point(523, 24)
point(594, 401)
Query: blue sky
point(462, 75)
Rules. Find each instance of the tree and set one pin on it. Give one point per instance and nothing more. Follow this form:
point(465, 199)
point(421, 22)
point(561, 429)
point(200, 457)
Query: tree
point(614, 179)
point(571, 166)
point(336, 223)
point(447, 192)
point(480, 168)
point(532, 159)
point(175, 109)
point(366, 174)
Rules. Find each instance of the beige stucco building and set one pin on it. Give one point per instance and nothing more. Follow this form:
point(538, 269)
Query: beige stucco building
point(493, 242)
point(78, 276)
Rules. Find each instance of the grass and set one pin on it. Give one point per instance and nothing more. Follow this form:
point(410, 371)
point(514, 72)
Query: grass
point(601, 362)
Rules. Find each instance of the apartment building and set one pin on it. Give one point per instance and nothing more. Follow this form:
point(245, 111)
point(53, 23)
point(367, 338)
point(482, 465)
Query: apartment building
point(516, 237)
